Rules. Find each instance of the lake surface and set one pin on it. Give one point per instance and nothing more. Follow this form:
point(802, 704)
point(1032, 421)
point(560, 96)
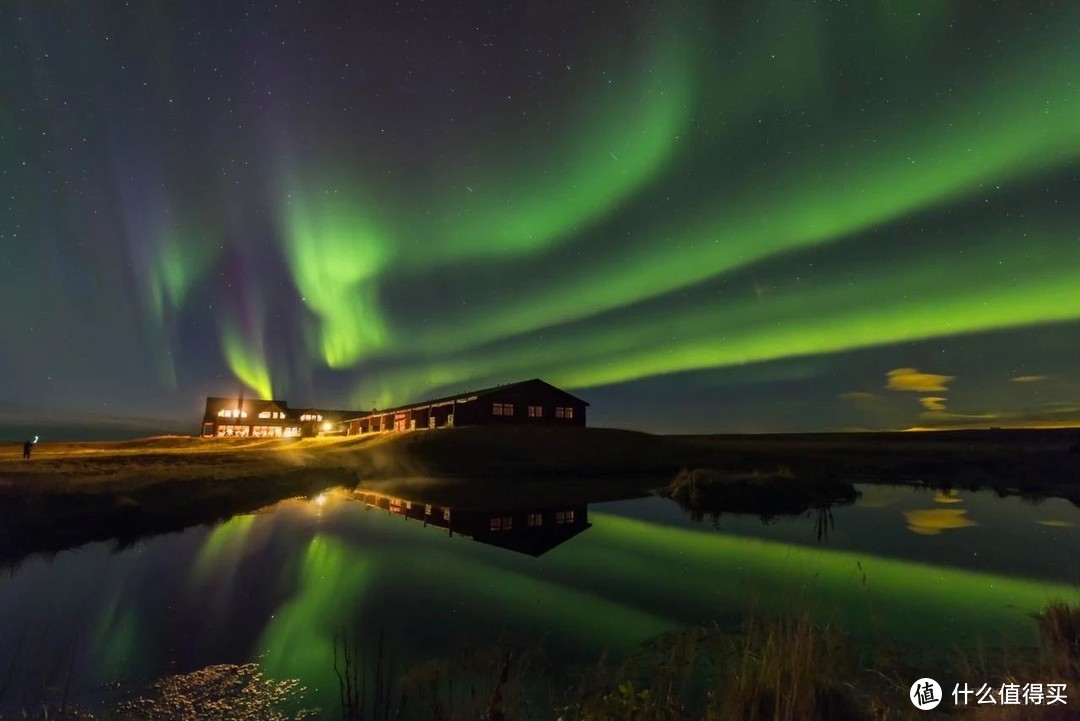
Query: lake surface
point(914, 567)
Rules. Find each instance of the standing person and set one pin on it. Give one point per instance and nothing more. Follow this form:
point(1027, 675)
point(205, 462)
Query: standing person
point(26, 448)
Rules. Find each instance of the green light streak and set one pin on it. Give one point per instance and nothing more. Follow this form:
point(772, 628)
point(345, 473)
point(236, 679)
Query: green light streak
point(246, 361)
point(1010, 282)
point(711, 572)
point(624, 139)
point(181, 259)
point(335, 252)
point(222, 546)
point(1024, 121)
point(479, 580)
point(299, 640)
point(116, 639)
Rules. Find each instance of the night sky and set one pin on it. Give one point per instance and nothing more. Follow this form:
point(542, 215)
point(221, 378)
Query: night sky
point(735, 216)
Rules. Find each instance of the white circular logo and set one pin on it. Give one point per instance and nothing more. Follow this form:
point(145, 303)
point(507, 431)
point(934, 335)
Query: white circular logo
point(925, 694)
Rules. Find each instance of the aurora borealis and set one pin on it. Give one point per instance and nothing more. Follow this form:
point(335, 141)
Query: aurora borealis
point(735, 216)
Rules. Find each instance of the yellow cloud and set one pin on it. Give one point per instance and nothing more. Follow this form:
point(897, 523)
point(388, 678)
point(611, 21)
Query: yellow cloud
point(933, 403)
point(1028, 379)
point(910, 379)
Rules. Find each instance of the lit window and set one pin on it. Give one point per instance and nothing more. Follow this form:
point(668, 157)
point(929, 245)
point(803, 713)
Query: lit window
point(536, 519)
point(502, 523)
point(536, 411)
point(266, 414)
point(564, 517)
point(502, 409)
point(564, 412)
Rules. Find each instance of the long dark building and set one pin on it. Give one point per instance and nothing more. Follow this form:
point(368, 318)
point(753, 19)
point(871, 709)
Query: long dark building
point(532, 402)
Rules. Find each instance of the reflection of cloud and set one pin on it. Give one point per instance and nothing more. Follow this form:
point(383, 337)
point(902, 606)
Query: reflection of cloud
point(952, 496)
point(860, 396)
point(1028, 379)
point(931, 522)
point(910, 379)
point(933, 403)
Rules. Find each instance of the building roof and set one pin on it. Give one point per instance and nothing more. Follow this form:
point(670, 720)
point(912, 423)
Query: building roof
point(469, 396)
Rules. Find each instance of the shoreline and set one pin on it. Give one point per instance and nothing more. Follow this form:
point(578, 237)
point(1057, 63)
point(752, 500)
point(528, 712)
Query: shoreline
point(69, 494)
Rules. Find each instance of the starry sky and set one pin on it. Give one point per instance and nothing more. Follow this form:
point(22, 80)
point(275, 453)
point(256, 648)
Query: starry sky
point(727, 216)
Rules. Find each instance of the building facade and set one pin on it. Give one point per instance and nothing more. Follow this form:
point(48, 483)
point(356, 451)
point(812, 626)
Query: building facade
point(248, 418)
point(532, 402)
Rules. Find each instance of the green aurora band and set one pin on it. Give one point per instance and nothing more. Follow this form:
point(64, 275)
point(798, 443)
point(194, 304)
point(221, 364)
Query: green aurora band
point(1023, 119)
point(247, 361)
point(813, 313)
point(338, 247)
point(573, 244)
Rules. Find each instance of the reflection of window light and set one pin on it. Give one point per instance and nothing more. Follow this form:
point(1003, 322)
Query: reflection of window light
point(501, 523)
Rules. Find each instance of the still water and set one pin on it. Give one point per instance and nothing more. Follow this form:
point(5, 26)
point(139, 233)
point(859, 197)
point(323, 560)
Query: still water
point(904, 566)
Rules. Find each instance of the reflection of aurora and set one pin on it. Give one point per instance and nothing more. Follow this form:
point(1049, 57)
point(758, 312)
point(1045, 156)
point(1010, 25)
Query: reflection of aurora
point(620, 584)
point(277, 585)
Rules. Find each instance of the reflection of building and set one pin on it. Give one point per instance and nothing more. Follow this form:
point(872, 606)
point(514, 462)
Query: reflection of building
point(532, 531)
point(531, 402)
point(244, 417)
